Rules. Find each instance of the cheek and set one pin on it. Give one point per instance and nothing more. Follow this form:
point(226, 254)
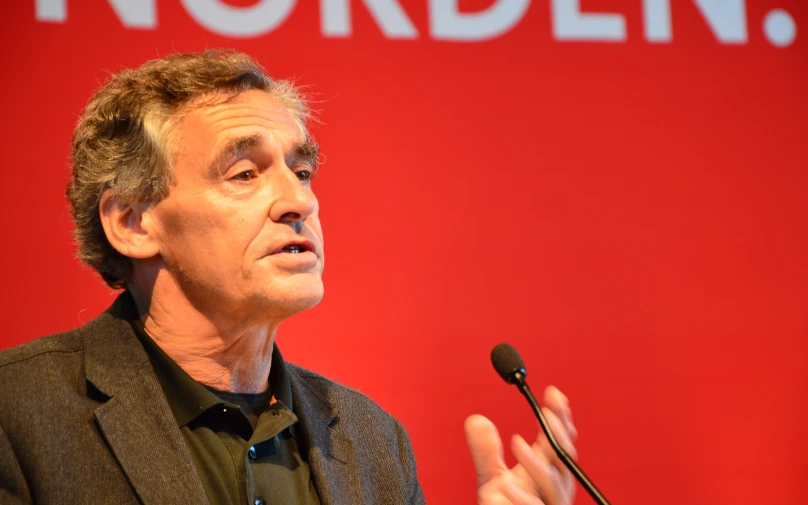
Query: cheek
point(205, 227)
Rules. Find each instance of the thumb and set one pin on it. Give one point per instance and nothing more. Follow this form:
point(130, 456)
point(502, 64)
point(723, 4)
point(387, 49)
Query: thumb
point(485, 446)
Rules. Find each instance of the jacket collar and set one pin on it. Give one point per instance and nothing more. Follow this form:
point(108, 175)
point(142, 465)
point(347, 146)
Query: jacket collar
point(331, 453)
point(136, 420)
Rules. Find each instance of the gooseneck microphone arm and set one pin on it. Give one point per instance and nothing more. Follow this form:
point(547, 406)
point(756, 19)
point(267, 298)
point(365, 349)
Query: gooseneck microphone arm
point(519, 382)
point(510, 367)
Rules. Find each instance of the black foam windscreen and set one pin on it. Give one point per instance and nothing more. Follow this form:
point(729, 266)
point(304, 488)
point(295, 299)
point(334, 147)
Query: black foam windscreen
point(506, 361)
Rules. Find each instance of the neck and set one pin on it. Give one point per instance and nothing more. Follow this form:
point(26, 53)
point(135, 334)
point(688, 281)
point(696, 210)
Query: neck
point(225, 353)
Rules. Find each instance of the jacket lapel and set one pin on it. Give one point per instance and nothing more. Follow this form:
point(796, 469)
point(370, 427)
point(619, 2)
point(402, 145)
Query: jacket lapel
point(331, 454)
point(136, 420)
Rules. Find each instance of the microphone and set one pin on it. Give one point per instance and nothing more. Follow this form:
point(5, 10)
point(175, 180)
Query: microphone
point(511, 368)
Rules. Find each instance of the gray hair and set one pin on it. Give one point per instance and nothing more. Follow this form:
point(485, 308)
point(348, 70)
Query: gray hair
point(123, 140)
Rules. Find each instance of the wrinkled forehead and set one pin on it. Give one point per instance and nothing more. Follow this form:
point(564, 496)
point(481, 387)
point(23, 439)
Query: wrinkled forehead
point(212, 124)
point(226, 104)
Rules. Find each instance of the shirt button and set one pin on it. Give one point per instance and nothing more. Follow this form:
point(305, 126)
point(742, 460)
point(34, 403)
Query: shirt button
point(253, 455)
point(260, 501)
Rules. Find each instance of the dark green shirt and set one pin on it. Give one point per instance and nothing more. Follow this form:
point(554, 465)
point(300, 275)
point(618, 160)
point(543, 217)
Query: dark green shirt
point(244, 450)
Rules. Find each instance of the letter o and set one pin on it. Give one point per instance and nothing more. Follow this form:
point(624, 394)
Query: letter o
point(231, 21)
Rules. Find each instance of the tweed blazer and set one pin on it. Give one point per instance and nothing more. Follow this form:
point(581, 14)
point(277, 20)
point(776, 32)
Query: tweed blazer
point(83, 420)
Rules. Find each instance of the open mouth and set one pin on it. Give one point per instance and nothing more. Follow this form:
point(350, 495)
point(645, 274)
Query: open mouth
point(294, 249)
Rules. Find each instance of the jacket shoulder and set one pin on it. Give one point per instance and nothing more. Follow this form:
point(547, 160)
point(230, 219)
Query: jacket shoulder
point(42, 376)
point(108, 322)
point(365, 415)
point(58, 343)
point(334, 392)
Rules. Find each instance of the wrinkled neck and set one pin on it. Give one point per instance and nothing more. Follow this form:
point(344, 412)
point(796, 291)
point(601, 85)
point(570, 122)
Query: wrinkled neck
point(222, 350)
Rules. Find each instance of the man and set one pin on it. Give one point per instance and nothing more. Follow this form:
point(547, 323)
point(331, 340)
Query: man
point(191, 190)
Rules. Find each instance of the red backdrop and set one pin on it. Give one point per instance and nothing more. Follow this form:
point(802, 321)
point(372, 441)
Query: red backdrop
point(622, 202)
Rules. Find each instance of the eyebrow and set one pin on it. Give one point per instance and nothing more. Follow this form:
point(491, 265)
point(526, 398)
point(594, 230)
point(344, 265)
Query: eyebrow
point(237, 147)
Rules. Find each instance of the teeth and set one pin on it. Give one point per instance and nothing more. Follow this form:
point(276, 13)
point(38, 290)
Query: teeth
point(294, 249)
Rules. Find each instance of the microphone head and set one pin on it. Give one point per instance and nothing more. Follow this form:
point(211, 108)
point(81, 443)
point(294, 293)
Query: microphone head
point(507, 362)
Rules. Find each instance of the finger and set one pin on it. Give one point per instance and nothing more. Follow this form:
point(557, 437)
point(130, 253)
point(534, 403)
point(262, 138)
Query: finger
point(485, 446)
point(546, 478)
point(556, 401)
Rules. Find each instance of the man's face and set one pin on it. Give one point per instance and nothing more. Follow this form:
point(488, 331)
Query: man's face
point(239, 233)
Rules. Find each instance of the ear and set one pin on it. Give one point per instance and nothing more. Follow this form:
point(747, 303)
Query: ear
point(128, 226)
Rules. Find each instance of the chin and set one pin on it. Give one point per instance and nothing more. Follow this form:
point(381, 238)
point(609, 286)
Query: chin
point(294, 298)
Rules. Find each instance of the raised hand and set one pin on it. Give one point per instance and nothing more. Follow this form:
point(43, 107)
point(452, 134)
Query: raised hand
point(540, 478)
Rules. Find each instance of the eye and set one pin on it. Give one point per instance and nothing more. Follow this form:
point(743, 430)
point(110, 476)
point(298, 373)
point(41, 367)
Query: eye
point(245, 176)
point(305, 172)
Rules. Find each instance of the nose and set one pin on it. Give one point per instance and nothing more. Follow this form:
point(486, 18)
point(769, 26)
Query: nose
point(292, 199)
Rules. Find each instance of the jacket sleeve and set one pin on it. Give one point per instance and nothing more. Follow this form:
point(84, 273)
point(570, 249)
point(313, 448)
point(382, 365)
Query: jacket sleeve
point(13, 488)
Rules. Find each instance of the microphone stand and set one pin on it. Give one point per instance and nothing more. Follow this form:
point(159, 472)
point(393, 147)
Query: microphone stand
point(518, 379)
